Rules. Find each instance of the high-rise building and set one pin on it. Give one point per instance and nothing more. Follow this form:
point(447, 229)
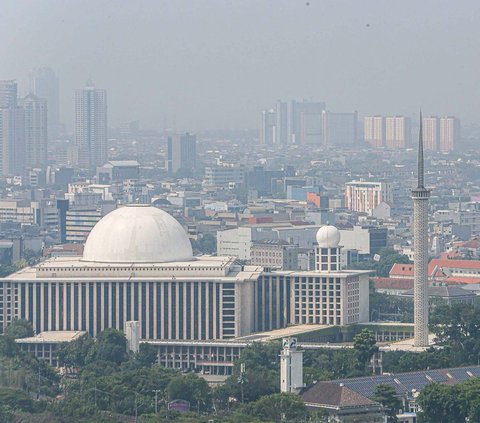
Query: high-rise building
point(398, 131)
point(268, 127)
point(431, 133)
point(305, 122)
point(12, 130)
point(182, 152)
point(36, 138)
point(339, 129)
point(449, 133)
point(90, 140)
point(281, 123)
point(8, 94)
point(364, 197)
point(44, 84)
point(374, 130)
point(420, 196)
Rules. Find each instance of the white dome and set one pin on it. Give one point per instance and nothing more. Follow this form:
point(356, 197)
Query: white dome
point(328, 236)
point(137, 233)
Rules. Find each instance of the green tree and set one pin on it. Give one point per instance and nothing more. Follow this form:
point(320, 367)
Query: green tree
point(111, 345)
point(365, 347)
point(190, 388)
point(147, 355)
point(441, 404)
point(6, 414)
point(73, 354)
point(278, 407)
point(19, 328)
point(386, 395)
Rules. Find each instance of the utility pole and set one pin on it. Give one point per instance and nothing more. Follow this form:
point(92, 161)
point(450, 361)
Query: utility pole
point(156, 399)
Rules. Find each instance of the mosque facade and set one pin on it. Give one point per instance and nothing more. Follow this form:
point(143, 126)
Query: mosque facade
point(138, 265)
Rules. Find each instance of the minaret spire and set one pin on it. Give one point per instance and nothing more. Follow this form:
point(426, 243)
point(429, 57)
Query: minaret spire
point(420, 175)
point(420, 196)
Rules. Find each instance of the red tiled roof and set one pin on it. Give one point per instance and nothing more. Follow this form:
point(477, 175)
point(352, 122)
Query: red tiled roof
point(393, 283)
point(401, 269)
point(458, 264)
point(435, 267)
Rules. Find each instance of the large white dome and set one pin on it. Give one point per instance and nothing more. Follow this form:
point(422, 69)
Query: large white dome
point(328, 236)
point(137, 233)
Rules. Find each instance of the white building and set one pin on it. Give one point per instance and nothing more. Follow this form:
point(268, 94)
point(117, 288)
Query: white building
point(449, 133)
point(398, 131)
point(238, 241)
point(374, 130)
point(364, 197)
point(138, 265)
point(329, 295)
point(90, 139)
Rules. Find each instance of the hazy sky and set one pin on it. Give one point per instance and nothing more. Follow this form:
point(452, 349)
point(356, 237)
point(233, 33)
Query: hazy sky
point(216, 63)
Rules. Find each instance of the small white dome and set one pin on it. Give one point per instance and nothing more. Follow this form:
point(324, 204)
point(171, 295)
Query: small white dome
point(137, 233)
point(328, 236)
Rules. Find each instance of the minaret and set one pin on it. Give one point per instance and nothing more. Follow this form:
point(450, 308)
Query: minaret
point(420, 196)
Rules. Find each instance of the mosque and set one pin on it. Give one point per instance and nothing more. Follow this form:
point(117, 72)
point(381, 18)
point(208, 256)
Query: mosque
point(138, 265)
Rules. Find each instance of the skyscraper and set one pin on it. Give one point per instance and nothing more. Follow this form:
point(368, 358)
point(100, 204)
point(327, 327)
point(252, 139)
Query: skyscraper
point(374, 130)
point(44, 84)
point(449, 133)
point(339, 128)
point(267, 127)
point(12, 130)
point(305, 122)
point(90, 127)
point(8, 94)
point(281, 123)
point(182, 152)
point(36, 138)
point(420, 196)
point(398, 131)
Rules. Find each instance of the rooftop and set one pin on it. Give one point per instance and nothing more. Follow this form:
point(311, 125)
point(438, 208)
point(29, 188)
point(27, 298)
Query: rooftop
point(52, 337)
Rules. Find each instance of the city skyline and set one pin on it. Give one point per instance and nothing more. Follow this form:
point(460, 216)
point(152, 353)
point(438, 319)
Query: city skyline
point(304, 62)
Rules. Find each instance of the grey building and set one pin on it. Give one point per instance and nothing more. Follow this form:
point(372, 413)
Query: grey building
point(44, 84)
point(118, 171)
point(182, 152)
point(274, 254)
point(12, 130)
point(36, 131)
point(90, 139)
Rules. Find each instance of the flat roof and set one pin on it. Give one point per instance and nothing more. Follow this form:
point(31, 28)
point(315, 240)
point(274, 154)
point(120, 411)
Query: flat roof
point(52, 337)
point(282, 333)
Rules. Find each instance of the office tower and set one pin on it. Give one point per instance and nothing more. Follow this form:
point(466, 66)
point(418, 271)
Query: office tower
point(364, 197)
point(398, 131)
point(339, 129)
point(449, 133)
point(12, 131)
point(431, 133)
point(44, 84)
point(8, 94)
point(305, 122)
point(281, 123)
point(90, 127)
point(420, 196)
point(267, 127)
point(36, 138)
point(374, 130)
point(182, 152)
